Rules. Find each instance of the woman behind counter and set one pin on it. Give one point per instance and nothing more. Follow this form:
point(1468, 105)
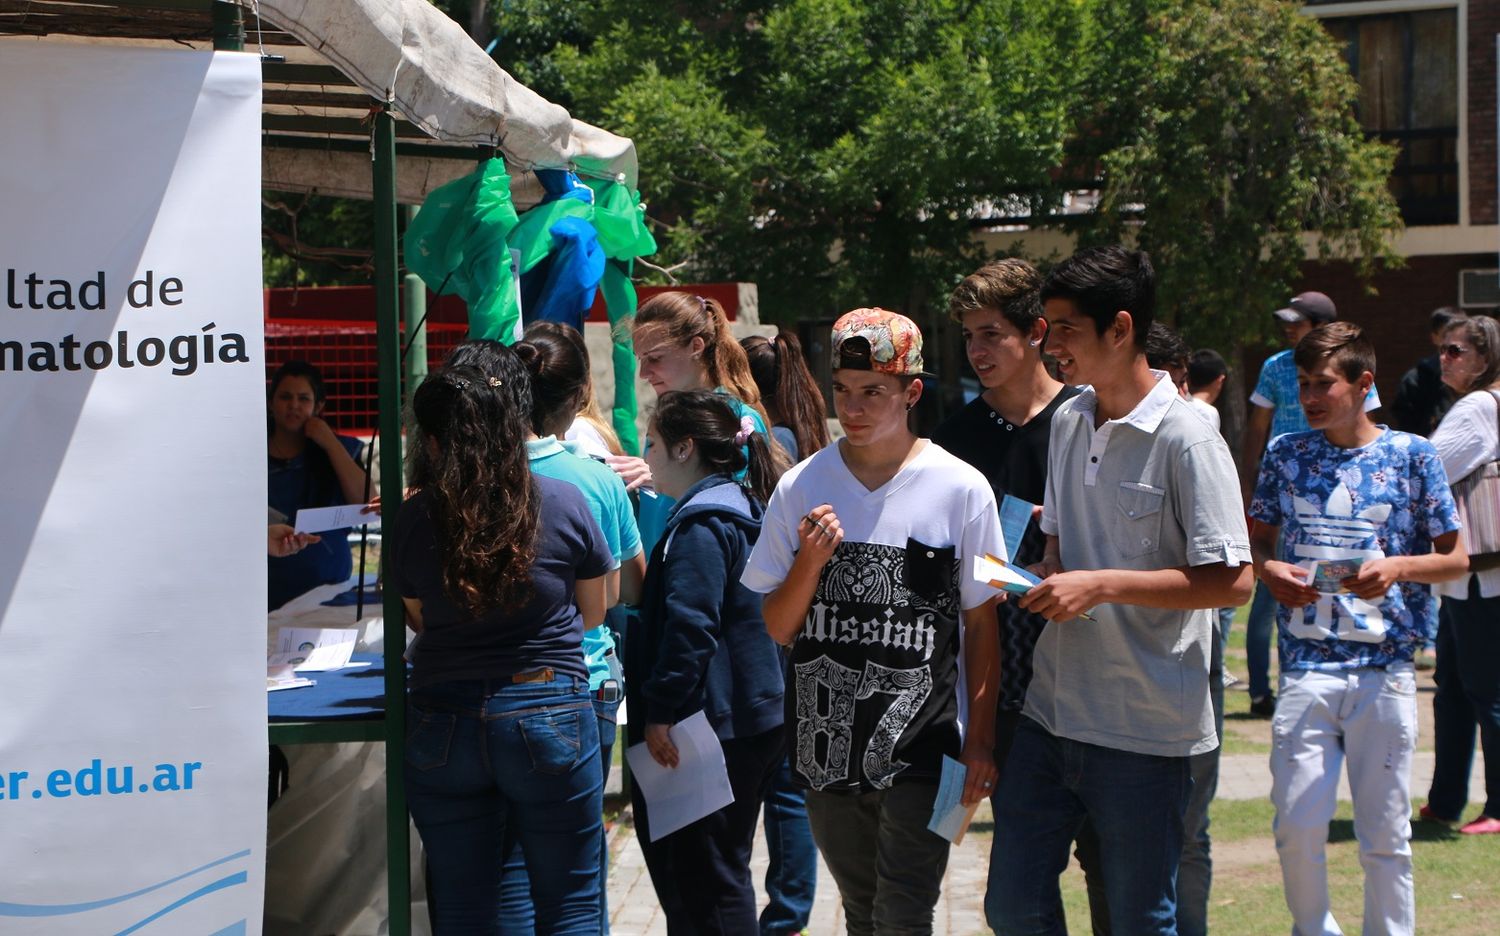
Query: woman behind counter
point(310, 466)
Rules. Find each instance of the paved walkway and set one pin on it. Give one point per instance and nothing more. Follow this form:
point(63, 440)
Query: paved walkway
point(960, 909)
point(634, 910)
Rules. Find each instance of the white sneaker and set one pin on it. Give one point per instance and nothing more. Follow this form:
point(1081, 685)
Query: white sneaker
point(1230, 680)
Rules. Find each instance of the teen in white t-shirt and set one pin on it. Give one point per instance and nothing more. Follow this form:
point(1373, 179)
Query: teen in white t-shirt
point(865, 558)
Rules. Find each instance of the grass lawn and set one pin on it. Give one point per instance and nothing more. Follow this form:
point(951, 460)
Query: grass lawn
point(1458, 877)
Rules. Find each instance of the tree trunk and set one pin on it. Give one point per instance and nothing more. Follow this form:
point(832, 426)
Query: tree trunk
point(1234, 401)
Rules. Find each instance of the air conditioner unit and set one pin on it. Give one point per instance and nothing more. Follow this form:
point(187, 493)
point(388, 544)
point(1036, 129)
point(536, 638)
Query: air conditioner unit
point(1479, 289)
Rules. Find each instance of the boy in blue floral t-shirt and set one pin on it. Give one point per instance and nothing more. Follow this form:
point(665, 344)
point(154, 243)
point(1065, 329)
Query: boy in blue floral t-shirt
point(1371, 507)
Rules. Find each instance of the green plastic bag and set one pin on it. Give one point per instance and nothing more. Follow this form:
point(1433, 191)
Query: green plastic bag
point(620, 300)
point(458, 245)
point(620, 221)
point(532, 236)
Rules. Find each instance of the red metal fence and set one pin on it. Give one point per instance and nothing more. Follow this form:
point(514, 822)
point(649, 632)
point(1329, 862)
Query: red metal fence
point(345, 352)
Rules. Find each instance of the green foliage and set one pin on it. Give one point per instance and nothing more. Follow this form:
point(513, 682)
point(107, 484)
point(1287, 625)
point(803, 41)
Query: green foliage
point(843, 152)
point(1226, 138)
point(835, 152)
point(315, 240)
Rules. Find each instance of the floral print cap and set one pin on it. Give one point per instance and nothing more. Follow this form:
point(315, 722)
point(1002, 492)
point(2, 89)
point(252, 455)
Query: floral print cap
point(877, 340)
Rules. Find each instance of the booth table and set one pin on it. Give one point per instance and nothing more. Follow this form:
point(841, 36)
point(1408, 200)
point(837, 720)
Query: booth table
point(344, 705)
point(326, 834)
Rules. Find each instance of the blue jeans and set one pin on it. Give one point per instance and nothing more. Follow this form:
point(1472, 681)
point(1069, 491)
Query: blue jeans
point(517, 914)
point(1195, 871)
point(1135, 804)
point(792, 877)
point(485, 755)
point(1226, 622)
point(1259, 630)
point(1468, 695)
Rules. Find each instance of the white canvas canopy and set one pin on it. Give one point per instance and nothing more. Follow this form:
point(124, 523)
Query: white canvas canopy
point(415, 56)
point(436, 78)
point(329, 61)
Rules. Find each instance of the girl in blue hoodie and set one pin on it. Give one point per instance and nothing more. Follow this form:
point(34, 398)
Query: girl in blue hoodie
point(701, 645)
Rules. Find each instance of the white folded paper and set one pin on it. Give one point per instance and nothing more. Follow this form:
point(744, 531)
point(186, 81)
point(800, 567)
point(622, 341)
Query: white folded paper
point(323, 519)
point(697, 786)
point(314, 649)
point(950, 817)
point(281, 676)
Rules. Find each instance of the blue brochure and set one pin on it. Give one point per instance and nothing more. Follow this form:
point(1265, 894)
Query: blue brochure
point(1015, 515)
point(950, 817)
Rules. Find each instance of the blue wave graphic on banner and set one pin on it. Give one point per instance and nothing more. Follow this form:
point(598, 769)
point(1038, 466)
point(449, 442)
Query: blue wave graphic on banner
point(45, 910)
point(233, 929)
point(238, 877)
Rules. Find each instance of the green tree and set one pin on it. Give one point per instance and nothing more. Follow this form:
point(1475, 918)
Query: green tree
point(845, 152)
point(1225, 137)
point(835, 152)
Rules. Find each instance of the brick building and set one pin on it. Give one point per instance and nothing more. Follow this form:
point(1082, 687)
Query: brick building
point(1426, 70)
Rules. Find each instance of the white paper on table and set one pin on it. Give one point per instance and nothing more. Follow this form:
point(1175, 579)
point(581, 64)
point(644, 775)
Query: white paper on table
point(314, 649)
point(323, 519)
point(281, 676)
point(697, 786)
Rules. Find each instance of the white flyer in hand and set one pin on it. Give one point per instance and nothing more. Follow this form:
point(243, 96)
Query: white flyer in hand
point(697, 786)
point(1327, 575)
point(323, 519)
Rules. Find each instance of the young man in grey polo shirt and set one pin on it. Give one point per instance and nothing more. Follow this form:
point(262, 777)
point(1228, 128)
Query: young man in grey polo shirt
point(1146, 534)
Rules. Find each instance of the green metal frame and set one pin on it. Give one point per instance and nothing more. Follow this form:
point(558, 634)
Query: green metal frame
point(368, 729)
point(388, 358)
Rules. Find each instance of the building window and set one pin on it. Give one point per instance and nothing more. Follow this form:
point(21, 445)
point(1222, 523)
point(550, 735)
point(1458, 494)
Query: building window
point(1407, 68)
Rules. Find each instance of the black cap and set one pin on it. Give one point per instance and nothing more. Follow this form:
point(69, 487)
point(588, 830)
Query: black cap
point(1313, 307)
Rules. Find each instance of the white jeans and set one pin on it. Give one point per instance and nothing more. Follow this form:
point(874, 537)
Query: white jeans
point(1368, 716)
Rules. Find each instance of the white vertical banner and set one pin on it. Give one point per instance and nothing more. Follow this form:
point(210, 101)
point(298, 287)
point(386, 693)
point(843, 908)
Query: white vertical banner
point(132, 491)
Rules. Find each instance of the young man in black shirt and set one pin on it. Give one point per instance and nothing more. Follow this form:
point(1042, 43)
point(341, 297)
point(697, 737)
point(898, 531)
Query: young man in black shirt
point(1003, 432)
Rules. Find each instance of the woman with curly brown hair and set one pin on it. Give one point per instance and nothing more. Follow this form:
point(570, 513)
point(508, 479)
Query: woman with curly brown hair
point(501, 571)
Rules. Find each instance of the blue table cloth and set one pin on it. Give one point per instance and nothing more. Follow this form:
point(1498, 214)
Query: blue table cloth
point(339, 695)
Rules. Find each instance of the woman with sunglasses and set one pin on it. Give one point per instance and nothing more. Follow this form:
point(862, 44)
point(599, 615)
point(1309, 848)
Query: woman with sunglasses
point(1468, 642)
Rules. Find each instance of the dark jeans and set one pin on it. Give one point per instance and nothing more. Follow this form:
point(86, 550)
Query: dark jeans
point(483, 756)
point(1135, 803)
point(792, 877)
point(701, 872)
point(1468, 695)
point(517, 914)
point(1196, 870)
point(1260, 631)
point(888, 867)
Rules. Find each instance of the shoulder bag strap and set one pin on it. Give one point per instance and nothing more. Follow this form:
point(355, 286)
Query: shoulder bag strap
point(1496, 397)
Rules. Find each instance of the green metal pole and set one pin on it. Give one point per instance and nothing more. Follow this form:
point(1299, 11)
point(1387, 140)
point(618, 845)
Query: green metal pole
point(414, 316)
point(388, 356)
point(229, 27)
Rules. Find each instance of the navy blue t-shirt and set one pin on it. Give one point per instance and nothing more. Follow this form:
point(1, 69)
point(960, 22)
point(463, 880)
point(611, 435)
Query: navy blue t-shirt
point(546, 631)
point(292, 486)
